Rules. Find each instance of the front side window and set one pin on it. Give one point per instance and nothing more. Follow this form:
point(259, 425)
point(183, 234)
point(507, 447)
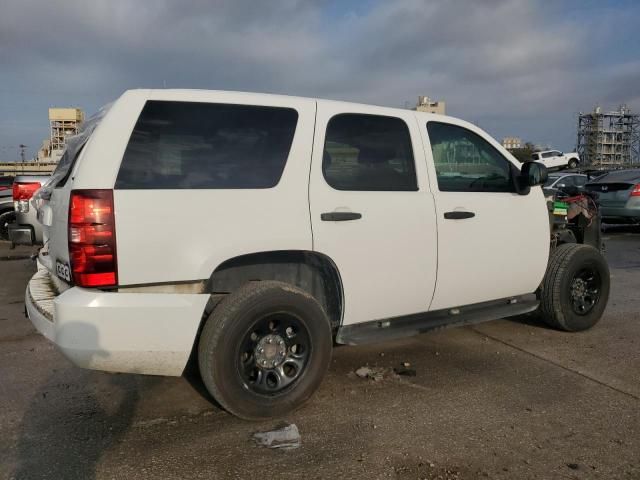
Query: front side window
point(178, 145)
point(368, 153)
point(466, 162)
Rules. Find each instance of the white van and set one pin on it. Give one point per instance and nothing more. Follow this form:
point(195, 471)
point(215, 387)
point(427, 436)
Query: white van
point(255, 230)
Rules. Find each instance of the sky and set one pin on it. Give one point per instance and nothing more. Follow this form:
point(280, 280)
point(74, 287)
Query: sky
point(514, 67)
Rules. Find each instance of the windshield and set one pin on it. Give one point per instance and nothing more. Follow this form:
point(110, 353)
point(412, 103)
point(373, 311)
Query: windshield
point(551, 180)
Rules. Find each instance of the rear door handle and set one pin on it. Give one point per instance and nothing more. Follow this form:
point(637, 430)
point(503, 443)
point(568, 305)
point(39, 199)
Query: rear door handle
point(458, 215)
point(339, 216)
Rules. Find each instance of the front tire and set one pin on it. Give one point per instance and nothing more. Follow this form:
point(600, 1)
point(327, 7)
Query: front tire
point(575, 289)
point(573, 163)
point(264, 350)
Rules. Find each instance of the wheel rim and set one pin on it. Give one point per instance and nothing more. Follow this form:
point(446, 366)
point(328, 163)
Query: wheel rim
point(273, 353)
point(585, 290)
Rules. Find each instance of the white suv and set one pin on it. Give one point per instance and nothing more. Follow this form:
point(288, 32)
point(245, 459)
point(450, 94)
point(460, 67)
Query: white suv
point(557, 159)
point(254, 230)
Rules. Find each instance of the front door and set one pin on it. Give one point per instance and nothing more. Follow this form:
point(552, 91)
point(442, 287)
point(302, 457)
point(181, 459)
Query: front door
point(493, 242)
point(372, 210)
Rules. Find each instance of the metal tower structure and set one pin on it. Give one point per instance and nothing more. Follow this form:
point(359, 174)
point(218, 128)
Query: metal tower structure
point(63, 122)
point(609, 139)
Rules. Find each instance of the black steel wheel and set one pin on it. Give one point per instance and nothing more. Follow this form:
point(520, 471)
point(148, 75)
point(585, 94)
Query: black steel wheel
point(264, 349)
point(585, 290)
point(575, 289)
point(273, 354)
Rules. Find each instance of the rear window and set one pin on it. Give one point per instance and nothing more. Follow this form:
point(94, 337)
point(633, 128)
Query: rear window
point(551, 179)
point(622, 176)
point(177, 145)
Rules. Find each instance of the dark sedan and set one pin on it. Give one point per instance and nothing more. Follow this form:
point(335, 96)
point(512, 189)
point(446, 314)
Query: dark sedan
point(619, 196)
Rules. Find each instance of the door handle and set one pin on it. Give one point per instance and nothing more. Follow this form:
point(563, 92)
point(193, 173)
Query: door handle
point(458, 215)
point(339, 216)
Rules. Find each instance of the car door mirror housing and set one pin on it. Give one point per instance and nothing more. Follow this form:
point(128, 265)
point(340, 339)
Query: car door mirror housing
point(532, 174)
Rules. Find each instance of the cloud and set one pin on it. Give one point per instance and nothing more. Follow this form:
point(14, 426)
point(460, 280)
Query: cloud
point(512, 66)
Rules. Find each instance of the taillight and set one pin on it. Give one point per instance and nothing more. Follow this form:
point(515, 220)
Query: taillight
point(92, 238)
point(22, 193)
point(636, 191)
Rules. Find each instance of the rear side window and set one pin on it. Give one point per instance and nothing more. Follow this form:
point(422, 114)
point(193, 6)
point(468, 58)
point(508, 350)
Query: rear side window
point(368, 153)
point(177, 145)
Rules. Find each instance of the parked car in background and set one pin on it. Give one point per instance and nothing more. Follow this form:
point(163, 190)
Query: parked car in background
point(560, 181)
point(7, 214)
point(554, 159)
point(618, 195)
point(313, 222)
point(26, 230)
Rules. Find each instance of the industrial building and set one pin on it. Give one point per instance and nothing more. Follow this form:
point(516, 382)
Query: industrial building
point(63, 122)
point(425, 104)
point(512, 143)
point(609, 139)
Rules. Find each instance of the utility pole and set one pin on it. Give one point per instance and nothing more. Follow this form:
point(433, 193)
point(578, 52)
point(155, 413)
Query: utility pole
point(22, 149)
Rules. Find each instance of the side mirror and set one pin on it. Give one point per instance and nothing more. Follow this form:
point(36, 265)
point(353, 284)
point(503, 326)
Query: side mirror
point(531, 174)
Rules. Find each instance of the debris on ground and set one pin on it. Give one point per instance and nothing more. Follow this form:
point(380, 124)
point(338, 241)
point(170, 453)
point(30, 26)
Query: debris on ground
point(404, 370)
point(286, 437)
point(372, 373)
point(380, 373)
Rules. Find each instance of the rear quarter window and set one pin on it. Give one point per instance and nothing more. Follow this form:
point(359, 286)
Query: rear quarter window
point(178, 145)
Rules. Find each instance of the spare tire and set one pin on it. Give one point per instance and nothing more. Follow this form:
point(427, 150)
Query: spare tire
point(575, 289)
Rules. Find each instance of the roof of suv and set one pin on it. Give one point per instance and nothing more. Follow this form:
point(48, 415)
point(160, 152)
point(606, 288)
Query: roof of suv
point(185, 94)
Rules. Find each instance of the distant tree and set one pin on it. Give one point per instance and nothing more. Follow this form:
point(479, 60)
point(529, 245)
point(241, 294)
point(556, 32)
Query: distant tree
point(524, 154)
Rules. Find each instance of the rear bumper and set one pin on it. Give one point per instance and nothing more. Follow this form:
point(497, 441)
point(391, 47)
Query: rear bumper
point(146, 333)
point(620, 214)
point(30, 221)
point(21, 234)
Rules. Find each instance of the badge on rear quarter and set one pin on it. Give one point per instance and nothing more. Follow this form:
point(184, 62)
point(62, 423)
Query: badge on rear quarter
point(63, 271)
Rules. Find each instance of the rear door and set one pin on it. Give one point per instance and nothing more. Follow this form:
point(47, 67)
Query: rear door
point(555, 159)
point(372, 210)
point(52, 200)
point(492, 242)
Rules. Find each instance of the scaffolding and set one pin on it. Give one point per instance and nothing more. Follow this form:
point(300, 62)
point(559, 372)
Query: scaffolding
point(609, 139)
point(63, 122)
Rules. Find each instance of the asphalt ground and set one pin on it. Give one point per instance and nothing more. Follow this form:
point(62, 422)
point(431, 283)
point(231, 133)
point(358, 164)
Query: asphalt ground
point(508, 399)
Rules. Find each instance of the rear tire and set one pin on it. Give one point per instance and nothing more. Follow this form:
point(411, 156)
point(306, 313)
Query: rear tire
point(265, 349)
point(575, 289)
